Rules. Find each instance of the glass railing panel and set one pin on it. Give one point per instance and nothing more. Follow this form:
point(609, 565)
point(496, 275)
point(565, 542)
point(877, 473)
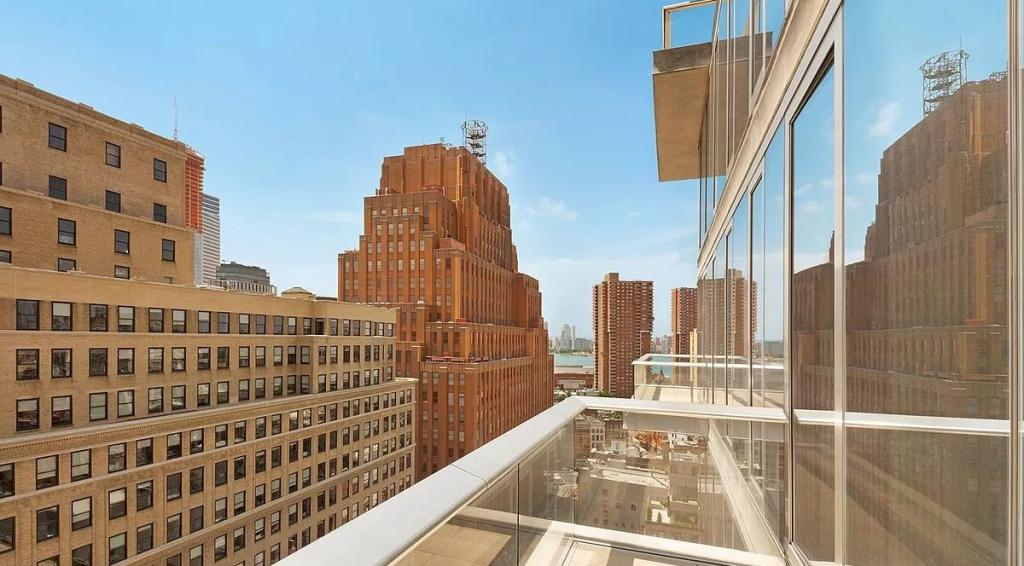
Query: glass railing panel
point(689, 25)
point(547, 484)
point(484, 532)
point(677, 478)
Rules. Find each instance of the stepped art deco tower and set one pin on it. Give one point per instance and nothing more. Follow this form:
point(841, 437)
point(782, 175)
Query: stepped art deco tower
point(437, 246)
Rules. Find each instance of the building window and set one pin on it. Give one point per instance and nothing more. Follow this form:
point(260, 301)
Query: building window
point(156, 360)
point(63, 264)
point(126, 403)
point(125, 361)
point(223, 323)
point(82, 556)
point(160, 170)
point(60, 318)
point(47, 523)
point(60, 363)
point(144, 452)
point(122, 242)
point(143, 495)
point(117, 457)
point(6, 534)
point(125, 319)
point(58, 137)
point(167, 250)
point(58, 188)
point(27, 417)
point(6, 480)
point(156, 320)
point(144, 538)
point(159, 212)
point(178, 321)
point(81, 513)
point(60, 411)
point(113, 155)
point(178, 359)
point(156, 400)
point(113, 201)
point(5, 221)
point(28, 314)
point(117, 548)
point(97, 406)
point(97, 362)
point(173, 529)
point(173, 445)
point(117, 503)
point(203, 357)
point(27, 364)
point(98, 318)
point(177, 397)
point(122, 272)
point(195, 519)
point(203, 320)
point(47, 473)
point(81, 465)
point(66, 231)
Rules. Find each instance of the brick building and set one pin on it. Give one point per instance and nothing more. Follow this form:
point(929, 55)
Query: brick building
point(437, 246)
point(149, 421)
point(623, 321)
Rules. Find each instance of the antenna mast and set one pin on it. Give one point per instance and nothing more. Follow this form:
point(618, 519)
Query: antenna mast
point(474, 137)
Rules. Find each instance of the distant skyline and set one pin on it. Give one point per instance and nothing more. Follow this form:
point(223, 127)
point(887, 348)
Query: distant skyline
point(295, 108)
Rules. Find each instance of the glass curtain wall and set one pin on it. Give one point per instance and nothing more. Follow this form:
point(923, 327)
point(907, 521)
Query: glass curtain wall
point(924, 298)
point(812, 316)
point(925, 211)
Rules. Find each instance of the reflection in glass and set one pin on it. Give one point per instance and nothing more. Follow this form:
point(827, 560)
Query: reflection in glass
point(925, 206)
point(737, 285)
point(811, 303)
point(663, 476)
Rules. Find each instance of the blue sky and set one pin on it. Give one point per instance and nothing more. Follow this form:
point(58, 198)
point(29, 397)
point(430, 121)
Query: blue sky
point(294, 107)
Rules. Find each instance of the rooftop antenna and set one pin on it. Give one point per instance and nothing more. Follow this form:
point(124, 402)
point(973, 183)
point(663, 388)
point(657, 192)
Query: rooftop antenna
point(942, 75)
point(474, 137)
point(175, 102)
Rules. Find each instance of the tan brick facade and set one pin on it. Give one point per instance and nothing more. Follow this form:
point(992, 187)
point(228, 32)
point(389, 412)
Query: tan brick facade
point(148, 421)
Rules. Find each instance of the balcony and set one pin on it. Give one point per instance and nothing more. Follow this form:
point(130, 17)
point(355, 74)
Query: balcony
point(589, 481)
point(680, 82)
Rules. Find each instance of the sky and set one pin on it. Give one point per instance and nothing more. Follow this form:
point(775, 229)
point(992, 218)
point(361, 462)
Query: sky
point(295, 105)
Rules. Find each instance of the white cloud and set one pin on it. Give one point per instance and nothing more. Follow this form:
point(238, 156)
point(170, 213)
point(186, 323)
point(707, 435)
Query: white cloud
point(552, 208)
point(524, 225)
point(864, 178)
point(810, 207)
point(503, 164)
point(884, 123)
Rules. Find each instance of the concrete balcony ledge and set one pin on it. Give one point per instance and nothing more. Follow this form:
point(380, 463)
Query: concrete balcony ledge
point(680, 94)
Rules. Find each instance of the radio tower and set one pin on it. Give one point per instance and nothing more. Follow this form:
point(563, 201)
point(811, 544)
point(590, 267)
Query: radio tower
point(474, 137)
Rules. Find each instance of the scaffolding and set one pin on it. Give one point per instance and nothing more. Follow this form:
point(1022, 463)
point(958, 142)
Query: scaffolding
point(942, 75)
point(474, 137)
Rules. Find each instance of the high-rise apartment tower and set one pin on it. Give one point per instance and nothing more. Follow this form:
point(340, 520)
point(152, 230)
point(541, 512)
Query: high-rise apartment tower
point(623, 322)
